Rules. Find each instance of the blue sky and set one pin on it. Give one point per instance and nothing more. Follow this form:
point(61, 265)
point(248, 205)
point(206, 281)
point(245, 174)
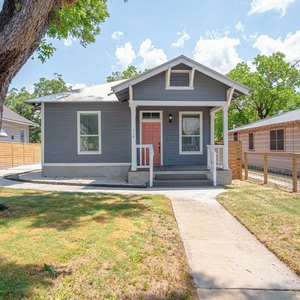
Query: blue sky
point(144, 33)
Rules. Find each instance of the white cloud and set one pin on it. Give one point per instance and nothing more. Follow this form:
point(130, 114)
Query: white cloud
point(117, 35)
point(69, 41)
point(217, 52)
point(151, 56)
point(183, 37)
point(125, 55)
point(261, 6)
point(239, 26)
point(290, 45)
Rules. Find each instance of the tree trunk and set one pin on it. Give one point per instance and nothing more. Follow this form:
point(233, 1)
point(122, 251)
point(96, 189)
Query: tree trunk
point(23, 23)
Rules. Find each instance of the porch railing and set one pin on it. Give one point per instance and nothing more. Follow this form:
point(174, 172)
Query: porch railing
point(219, 152)
point(212, 162)
point(145, 161)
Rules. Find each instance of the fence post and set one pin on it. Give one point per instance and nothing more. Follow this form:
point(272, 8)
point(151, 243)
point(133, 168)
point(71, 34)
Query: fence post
point(12, 154)
point(241, 161)
point(265, 168)
point(246, 165)
point(295, 175)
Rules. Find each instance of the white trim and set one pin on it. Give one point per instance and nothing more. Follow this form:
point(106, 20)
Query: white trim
point(179, 88)
point(192, 76)
point(178, 103)
point(201, 132)
point(161, 130)
point(79, 152)
point(189, 62)
point(86, 164)
point(19, 122)
point(225, 137)
point(230, 92)
point(43, 131)
point(212, 127)
point(181, 71)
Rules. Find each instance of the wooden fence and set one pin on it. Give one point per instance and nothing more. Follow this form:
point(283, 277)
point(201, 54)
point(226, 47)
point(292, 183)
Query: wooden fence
point(268, 167)
point(16, 154)
point(235, 159)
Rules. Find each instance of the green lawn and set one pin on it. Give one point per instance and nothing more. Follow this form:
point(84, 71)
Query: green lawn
point(90, 246)
point(270, 214)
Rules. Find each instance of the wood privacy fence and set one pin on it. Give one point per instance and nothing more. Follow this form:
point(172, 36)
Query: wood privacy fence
point(16, 154)
point(281, 168)
point(235, 159)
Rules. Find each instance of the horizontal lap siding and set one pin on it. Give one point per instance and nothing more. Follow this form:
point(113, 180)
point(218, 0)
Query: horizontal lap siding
point(61, 133)
point(262, 144)
point(171, 154)
point(205, 89)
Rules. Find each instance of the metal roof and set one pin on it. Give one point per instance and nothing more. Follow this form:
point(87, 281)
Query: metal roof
point(94, 93)
point(290, 116)
point(11, 116)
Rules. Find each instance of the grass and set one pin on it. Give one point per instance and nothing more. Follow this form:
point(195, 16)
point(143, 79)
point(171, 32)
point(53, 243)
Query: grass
point(273, 216)
point(90, 246)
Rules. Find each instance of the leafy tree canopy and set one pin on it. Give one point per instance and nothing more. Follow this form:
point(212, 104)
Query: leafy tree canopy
point(130, 72)
point(15, 101)
point(274, 84)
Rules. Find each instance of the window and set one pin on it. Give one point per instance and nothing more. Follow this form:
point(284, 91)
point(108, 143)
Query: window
point(22, 136)
point(151, 115)
point(89, 141)
point(180, 79)
point(235, 136)
point(190, 132)
point(277, 139)
point(251, 141)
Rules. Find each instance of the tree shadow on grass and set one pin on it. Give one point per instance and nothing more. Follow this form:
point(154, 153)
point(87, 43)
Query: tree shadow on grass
point(66, 210)
point(18, 281)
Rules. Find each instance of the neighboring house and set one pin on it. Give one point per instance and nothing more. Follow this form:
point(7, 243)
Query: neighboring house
point(276, 134)
point(106, 130)
point(15, 128)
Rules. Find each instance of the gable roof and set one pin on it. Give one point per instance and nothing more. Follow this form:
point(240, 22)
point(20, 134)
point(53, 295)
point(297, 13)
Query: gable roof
point(94, 93)
point(11, 116)
point(290, 116)
point(239, 88)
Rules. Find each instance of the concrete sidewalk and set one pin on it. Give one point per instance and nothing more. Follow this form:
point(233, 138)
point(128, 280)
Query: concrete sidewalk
point(226, 260)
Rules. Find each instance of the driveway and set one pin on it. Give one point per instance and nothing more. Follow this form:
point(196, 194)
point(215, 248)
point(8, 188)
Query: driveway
point(226, 260)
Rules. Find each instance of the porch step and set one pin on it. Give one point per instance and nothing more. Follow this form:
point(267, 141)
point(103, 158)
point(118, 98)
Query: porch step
point(180, 176)
point(182, 182)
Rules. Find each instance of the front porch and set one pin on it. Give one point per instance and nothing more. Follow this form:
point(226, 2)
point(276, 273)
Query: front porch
point(196, 154)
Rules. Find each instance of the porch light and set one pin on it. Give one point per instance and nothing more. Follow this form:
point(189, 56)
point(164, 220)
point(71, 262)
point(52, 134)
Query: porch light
point(170, 118)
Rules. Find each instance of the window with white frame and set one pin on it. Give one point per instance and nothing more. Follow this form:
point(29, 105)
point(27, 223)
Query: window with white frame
point(180, 79)
point(190, 132)
point(89, 133)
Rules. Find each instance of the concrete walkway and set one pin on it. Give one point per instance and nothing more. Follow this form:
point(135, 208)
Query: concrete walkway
point(226, 260)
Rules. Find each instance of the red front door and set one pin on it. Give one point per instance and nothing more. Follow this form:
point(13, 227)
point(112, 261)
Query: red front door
point(151, 134)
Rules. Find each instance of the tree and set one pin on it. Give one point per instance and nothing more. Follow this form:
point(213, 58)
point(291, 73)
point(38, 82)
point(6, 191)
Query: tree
point(130, 72)
point(274, 84)
point(25, 24)
point(15, 101)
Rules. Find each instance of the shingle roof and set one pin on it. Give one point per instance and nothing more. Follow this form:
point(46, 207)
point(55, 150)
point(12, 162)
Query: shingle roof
point(290, 116)
point(11, 116)
point(94, 93)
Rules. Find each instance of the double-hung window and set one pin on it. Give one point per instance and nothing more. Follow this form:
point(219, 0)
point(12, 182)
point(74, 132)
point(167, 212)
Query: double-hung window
point(277, 139)
point(89, 132)
point(251, 140)
point(190, 132)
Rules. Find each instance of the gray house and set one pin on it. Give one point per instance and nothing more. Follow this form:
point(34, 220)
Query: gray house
point(157, 127)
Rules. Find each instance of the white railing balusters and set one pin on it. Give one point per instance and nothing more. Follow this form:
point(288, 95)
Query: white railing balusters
point(214, 160)
point(143, 163)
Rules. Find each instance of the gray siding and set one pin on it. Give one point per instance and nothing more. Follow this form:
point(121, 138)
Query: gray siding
point(171, 154)
point(205, 89)
point(61, 133)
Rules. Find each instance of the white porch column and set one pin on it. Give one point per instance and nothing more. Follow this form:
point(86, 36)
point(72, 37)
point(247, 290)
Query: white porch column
point(133, 138)
point(225, 136)
point(212, 127)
